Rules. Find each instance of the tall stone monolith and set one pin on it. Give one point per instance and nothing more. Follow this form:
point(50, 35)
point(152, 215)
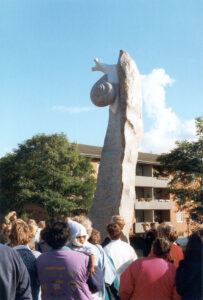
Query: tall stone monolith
point(120, 88)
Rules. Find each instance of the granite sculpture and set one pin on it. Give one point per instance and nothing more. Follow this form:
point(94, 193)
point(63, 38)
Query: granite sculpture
point(120, 88)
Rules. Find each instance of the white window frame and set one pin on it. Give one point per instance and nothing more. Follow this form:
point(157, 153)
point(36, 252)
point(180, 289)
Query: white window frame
point(179, 217)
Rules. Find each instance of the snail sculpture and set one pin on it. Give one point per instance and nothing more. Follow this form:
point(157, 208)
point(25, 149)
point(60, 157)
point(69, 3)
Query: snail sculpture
point(120, 88)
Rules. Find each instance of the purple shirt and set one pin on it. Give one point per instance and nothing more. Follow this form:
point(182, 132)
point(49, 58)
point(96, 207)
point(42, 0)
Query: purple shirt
point(63, 275)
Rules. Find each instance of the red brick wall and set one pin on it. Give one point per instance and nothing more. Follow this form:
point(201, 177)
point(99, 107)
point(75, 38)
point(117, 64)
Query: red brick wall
point(95, 164)
point(180, 226)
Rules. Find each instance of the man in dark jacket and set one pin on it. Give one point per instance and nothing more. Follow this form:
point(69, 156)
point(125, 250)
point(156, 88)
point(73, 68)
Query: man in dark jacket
point(14, 278)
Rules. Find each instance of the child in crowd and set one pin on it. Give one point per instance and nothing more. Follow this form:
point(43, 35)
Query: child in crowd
point(95, 237)
point(77, 241)
point(86, 222)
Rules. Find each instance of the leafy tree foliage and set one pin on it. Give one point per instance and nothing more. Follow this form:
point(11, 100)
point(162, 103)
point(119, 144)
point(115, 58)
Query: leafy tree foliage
point(185, 164)
point(47, 170)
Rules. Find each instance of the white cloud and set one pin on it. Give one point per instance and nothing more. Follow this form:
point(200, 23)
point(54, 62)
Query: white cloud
point(166, 126)
point(73, 109)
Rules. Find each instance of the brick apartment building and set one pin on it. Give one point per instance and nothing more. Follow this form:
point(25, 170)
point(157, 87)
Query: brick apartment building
point(153, 202)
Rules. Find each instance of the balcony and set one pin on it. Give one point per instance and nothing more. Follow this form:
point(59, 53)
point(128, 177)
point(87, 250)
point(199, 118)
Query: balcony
point(146, 181)
point(150, 203)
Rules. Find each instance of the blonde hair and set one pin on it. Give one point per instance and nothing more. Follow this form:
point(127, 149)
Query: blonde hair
point(118, 220)
point(33, 228)
point(32, 222)
point(9, 216)
point(41, 224)
point(20, 233)
point(86, 222)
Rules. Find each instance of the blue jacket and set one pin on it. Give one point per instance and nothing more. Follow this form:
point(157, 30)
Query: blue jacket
point(14, 278)
point(30, 262)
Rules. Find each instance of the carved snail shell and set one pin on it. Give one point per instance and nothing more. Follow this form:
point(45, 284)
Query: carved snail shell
point(103, 92)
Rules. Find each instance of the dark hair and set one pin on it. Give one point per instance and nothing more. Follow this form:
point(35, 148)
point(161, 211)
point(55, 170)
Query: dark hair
point(161, 247)
point(194, 248)
point(173, 236)
point(56, 232)
point(164, 230)
point(114, 231)
point(95, 237)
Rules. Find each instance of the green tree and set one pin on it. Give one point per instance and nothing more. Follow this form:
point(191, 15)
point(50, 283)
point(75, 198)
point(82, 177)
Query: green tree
point(49, 171)
point(185, 164)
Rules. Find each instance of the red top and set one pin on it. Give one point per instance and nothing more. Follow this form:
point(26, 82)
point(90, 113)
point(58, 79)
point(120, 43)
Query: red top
point(149, 278)
point(176, 254)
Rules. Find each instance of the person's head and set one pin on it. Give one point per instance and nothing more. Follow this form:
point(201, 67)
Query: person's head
point(86, 222)
point(194, 248)
point(33, 228)
point(161, 247)
point(11, 217)
point(118, 220)
point(77, 233)
point(56, 233)
point(114, 231)
point(153, 226)
point(145, 226)
point(32, 222)
point(95, 237)
point(173, 236)
point(164, 230)
point(41, 224)
point(81, 239)
point(20, 233)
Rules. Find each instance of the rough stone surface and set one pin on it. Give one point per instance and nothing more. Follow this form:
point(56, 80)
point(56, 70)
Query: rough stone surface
point(115, 191)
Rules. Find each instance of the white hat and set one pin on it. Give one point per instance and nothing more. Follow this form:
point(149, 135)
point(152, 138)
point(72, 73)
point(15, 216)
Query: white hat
point(75, 230)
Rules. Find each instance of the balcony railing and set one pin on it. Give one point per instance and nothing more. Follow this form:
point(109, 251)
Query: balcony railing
point(145, 203)
point(145, 181)
point(150, 199)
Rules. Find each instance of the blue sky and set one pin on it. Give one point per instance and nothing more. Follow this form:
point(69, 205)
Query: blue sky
point(47, 49)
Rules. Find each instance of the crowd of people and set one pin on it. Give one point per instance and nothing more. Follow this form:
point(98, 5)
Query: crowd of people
point(65, 259)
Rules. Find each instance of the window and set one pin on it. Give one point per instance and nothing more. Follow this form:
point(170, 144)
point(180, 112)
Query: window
point(139, 215)
point(179, 217)
point(139, 170)
point(139, 193)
